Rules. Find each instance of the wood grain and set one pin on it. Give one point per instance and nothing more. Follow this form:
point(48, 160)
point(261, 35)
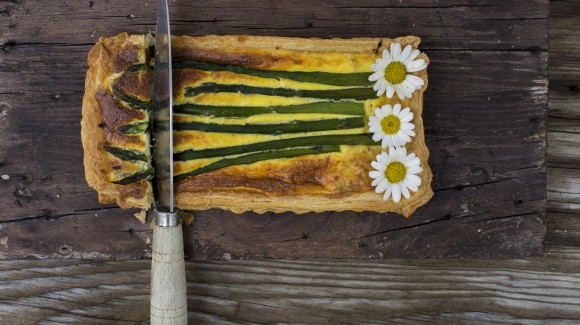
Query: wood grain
point(313, 292)
point(484, 115)
point(532, 291)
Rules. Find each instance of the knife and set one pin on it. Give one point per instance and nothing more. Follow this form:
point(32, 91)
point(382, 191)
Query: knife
point(168, 288)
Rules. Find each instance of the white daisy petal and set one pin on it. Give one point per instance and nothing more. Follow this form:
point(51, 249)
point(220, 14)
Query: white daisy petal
point(415, 179)
point(408, 92)
point(414, 169)
point(414, 162)
point(405, 126)
point(383, 158)
point(405, 54)
point(380, 92)
point(412, 186)
point(376, 165)
point(390, 90)
point(376, 76)
point(408, 158)
point(395, 51)
point(411, 133)
point(407, 118)
point(386, 142)
point(379, 113)
point(387, 55)
point(388, 191)
point(409, 86)
point(380, 84)
point(375, 174)
point(399, 90)
point(396, 193)
point(376, 181)
point(395, 141)
point(377, 136)
point(383, 84)
point(382, 186)
point(402, 153)
point(397, 109)
point(405, 111)
point(414, 55)
point(416, 65)
point(387, 110)
point(405, 137)
point(417, 81)
point(405, 191)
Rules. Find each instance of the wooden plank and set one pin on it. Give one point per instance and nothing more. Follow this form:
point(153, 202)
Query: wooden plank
point(484, 117)
point(564, 127)
point(320, 292)
point(456, 24)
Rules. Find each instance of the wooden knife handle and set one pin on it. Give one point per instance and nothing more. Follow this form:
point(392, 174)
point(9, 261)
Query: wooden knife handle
point(168, 287)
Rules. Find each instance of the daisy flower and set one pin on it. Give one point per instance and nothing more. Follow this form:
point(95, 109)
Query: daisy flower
point(396, 173)
point(392, 72)
point(392, 125)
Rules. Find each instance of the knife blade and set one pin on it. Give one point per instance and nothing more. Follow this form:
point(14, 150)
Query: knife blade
point(163, 111)
point(168, 286)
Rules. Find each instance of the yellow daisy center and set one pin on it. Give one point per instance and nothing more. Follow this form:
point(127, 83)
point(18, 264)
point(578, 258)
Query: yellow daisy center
point(395, 72)
point(395, 172)
point(391, 124)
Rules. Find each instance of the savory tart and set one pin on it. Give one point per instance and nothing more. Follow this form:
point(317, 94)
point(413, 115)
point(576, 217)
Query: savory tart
point(263, 123)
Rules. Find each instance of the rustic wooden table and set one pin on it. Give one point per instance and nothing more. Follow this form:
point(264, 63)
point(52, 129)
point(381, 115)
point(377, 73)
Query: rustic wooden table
point(478, 50)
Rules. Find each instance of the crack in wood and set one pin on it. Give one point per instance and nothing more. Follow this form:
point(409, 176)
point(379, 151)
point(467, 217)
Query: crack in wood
point(460, 187)
point(402, 228)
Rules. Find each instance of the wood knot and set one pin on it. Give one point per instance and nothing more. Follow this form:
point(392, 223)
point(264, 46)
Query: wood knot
point(3, 110)
point(518, 203)
point(6, 11)
point(22, 191)
point(64, 250)
point(8, 46)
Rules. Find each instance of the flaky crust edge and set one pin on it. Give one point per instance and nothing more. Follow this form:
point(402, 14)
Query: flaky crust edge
point(92, 136)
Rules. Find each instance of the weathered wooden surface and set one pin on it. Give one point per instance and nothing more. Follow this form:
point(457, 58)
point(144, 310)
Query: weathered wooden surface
point(305, 292)
point(484, 116)
point(533, 291)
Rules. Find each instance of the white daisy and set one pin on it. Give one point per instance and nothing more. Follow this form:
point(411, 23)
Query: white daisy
point(396, 173)
point(392, 72)
point(392, 125)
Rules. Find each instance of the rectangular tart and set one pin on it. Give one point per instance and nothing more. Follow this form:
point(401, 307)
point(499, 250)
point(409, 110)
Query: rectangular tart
point(261, 123)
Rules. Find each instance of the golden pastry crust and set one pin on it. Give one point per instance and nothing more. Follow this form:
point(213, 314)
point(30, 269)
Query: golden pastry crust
point(102, 115)
point(322, 182)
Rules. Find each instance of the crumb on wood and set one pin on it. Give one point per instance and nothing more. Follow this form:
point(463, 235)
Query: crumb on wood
point(5, 177)
point(141, 216)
